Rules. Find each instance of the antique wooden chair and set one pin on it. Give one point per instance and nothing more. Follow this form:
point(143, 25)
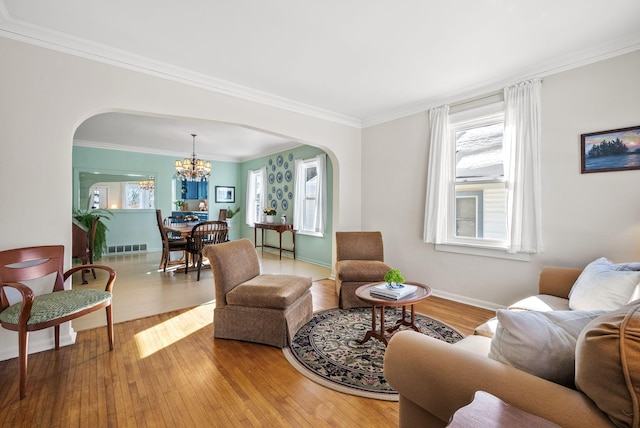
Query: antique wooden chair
point(202, 234)
point(24, 311)
point(169, 243)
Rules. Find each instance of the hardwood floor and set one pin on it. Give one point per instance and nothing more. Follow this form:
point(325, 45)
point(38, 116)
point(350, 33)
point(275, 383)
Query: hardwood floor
point(168, 370)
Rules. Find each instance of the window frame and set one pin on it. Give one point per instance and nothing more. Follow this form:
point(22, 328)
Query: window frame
point(299, 200)
point(476, 117)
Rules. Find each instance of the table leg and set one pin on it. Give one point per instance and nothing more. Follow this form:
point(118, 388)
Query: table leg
point(255, 236)
point(293, 238)
point(374, 327)
point(280, 235)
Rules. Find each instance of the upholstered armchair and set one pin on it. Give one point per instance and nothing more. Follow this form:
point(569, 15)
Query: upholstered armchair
point(254, 307)
point(359, 261)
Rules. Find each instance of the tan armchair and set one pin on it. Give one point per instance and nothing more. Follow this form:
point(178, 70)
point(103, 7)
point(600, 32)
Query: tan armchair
point(359, 261)
point(267, 308)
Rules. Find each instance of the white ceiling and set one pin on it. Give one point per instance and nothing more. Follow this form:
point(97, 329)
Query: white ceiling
point(357, 62)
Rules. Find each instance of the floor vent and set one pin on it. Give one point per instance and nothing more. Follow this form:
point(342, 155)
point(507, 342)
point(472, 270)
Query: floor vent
point(127, 248)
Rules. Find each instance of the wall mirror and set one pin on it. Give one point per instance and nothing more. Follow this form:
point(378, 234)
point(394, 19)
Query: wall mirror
point(114, 190)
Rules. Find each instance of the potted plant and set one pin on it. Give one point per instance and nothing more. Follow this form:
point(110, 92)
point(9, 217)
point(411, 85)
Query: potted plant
point(86, 217)
point(270, 214)
point(178, 205)
point(394, 278)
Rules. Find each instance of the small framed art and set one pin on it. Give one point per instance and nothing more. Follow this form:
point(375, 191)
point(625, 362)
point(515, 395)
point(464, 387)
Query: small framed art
point(614, 150)
point(225, 194)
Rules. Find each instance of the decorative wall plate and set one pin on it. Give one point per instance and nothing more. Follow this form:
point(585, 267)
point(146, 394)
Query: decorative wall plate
point(286, 165)
point(286, 188)
point(270, 162)
point(290, 156)
point(271, 178)
point(290, 195)
point(279, 194)
point(279, 160)
point(284, 204)
point(274, 204)
point(288, 175)
point(279, 177)
point(273, 168)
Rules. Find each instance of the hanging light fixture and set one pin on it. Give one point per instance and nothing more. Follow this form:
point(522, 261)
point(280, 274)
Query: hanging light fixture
point(148, 184)
point(193, 169)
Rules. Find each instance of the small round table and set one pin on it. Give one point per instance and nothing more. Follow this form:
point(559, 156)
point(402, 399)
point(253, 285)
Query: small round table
point(383, 334)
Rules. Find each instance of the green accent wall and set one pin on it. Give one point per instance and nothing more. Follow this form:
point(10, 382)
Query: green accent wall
point(312, 249)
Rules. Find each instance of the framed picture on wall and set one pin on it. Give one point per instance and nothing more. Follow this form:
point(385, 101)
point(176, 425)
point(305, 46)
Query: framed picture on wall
point(614, 150)
point(225, 194)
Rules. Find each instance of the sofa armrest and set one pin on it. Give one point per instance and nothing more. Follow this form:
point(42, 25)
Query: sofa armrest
point(557, 281)
point(441, 378)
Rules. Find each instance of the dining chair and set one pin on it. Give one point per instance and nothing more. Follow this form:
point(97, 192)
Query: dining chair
point(202, 234)
point(24, 311)
point(170, 242)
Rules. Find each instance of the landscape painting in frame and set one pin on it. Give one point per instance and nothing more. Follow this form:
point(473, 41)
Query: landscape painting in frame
point(615, 150)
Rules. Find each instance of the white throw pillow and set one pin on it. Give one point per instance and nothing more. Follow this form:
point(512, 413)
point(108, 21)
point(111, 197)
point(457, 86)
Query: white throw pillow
point(605, 285)
point(540, 343)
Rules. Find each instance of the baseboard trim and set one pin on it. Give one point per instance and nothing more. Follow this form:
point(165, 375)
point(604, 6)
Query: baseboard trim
point(38, 342)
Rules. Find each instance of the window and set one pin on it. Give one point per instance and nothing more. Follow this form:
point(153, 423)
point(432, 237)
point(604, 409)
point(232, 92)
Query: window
point(256, 191)
point(309, 214)
point(483, 184)
point(479, 208)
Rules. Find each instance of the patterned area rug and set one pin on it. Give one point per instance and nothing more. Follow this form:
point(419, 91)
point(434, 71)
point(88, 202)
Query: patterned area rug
point(326, 350)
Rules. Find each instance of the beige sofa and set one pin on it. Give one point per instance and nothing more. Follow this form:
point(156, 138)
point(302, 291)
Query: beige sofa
point(434, 379)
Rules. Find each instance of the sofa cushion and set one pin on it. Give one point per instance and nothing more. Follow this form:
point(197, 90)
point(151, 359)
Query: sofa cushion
point(361, 270)
point(277, 291)
point(541, 303)
point(608, 364)
point(605, 285)
point(540, 343)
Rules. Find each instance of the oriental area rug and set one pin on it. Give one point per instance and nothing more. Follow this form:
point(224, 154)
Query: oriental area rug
point(326, 350)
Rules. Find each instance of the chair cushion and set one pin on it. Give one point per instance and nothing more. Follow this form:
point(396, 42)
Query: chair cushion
point(608, 364)
point(276, 291)
point(51, 306)
point(361, 270)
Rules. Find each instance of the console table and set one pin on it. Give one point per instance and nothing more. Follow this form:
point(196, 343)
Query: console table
point(280, 228)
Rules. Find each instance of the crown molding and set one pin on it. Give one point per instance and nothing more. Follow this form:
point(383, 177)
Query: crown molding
point(28, 33)
point(32, 34)
point(594, 54)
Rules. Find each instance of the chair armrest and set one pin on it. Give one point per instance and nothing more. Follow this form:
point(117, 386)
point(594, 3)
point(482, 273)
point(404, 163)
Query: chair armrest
point(557, 281)
point(27, 299)
point(441, 378)
point(110, 280)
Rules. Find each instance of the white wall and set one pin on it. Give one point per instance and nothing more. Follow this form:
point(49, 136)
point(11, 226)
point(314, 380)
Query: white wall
point(585, 215)
point(45, 95)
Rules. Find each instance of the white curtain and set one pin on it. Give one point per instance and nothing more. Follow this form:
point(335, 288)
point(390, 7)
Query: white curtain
point(300, 194)
point(521, 145)
point(439, 176)
point(253, 215)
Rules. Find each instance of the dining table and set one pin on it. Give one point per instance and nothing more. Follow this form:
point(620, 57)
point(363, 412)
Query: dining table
point(183, 230)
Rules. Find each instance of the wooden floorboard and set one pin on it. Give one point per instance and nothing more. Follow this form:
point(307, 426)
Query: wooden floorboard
point(168, 370)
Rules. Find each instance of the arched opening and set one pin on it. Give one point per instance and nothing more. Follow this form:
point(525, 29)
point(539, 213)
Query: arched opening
point(116, 150)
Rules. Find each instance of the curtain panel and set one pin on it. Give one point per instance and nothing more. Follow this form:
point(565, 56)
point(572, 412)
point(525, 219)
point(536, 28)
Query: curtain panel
point(521, 148)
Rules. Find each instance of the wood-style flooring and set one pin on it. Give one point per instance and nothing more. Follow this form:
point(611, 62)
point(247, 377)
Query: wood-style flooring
point(167, 370)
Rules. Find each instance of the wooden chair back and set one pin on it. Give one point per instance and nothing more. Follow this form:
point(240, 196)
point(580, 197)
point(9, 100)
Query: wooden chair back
point(206, 233)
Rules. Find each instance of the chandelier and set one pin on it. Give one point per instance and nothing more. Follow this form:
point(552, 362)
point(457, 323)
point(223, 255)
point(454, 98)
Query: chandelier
point(148, 184)
point(193, 169)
